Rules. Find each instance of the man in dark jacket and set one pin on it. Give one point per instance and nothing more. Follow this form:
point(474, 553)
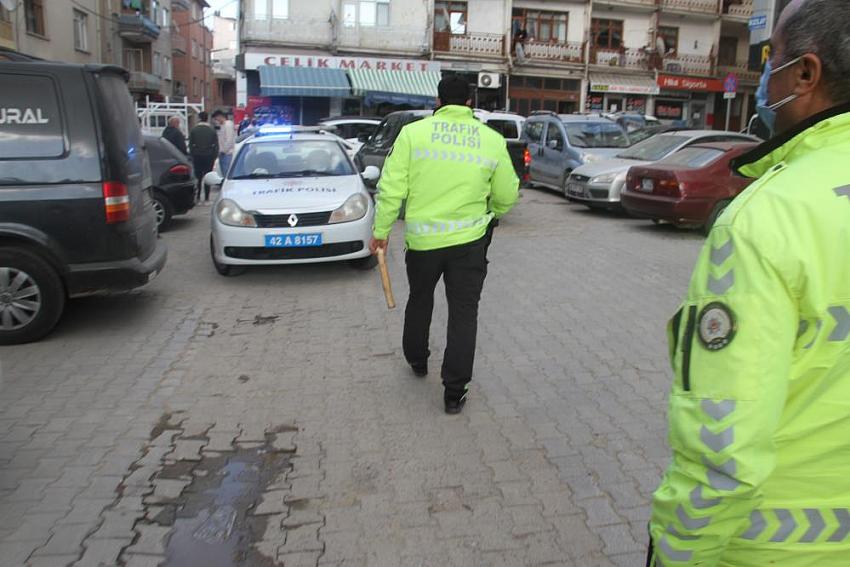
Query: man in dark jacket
point(203, 145)
point(173, 134)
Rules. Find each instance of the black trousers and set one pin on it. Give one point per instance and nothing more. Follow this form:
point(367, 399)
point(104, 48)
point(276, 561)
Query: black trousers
point(203, 165)
point(463, 269)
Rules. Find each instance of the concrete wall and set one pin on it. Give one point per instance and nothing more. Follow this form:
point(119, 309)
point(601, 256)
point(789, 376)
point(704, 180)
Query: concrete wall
point(58, 41)
point(696, 37)
point(487, 16)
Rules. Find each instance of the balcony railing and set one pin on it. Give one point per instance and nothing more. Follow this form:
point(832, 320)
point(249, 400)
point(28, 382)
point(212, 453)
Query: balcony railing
point(741, 69)
point(569, 52)
point(179, 45)
point(137, 28)
point(141, 81)
point(742, 11)
point(702, 6)
point(294, 31)
point(688, 64)
point(644, 3)
point(383, 39)
point(624, 58)
point(472, 44)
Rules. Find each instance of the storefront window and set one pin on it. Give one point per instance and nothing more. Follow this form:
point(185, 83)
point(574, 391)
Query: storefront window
point(669, 110)
point(607, 34)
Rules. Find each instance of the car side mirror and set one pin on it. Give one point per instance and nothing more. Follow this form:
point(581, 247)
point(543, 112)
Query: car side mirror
point(213, 179)
point(371, 173)
point(554, 144)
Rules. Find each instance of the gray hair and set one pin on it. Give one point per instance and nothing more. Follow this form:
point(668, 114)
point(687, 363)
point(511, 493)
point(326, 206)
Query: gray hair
point(822, 27)
point(175, 117)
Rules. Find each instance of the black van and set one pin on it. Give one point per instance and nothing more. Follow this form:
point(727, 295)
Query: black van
point(76, 216)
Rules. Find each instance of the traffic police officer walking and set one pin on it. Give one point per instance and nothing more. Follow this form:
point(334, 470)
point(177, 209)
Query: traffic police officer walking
point(760, 406)
point(456, 177)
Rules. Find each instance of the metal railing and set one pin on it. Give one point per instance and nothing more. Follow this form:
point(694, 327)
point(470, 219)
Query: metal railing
point(744, 10)
point(740, 68)
point(703, 6)
point(571, 51)
point(628, 58)
point(688, 64)
point(472, 43)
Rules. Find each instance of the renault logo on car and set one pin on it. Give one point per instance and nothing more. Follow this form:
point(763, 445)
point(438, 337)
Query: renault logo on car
point(292, 220)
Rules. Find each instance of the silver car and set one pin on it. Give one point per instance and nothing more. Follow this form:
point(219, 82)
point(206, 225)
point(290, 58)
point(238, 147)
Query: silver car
point(598, 185)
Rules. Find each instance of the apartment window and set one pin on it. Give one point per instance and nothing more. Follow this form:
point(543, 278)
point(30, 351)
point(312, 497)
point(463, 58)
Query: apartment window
point(166, 67)
point(727, 53)
point(134, 59)
point(157, 64)
point(81, 31)
point(540, 25)
point(166, 17)
point(670, 37)
point(194, 49)
point(280, 9)
point(450, 17)
point(607, 34)
point(195, 86)
point(366, 13)
point(34, 16)
point(261, 9)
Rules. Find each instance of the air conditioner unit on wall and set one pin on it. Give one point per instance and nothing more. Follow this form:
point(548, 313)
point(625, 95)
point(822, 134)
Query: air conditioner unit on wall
point(489, 80)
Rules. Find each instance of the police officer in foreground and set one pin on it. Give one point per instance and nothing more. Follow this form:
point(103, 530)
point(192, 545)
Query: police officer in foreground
point(760, 405)
point(456, 176)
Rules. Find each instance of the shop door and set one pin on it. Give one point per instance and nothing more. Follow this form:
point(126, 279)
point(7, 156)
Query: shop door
point(615, 104)
point(697, 118)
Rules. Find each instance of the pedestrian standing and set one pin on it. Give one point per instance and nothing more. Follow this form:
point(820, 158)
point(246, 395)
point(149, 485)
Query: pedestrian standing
point(226, 132)
point(456, 177)
point(203, 145)
point(173, 134)
point(760, 405)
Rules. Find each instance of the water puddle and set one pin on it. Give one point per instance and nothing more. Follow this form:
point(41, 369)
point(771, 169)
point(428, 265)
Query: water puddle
point(212, 521)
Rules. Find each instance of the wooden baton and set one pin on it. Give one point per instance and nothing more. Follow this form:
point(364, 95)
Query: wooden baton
point(385, 279)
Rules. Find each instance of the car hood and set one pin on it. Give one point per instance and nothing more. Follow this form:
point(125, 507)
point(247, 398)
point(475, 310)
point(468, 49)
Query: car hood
point(615, 165)
point(301, 194)
point(604, 153)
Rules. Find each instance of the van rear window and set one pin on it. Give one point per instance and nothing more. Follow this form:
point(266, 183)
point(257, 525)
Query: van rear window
point(30, 122)
point(121, 128)
point(507, 128)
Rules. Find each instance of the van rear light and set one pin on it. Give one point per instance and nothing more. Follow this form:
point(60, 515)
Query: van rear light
point(116, 199)
point(180, 169)
point(526, 157)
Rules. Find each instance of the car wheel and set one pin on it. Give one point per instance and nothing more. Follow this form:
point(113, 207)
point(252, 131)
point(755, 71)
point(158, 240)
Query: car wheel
point(714, 215)
point(163, 209)
point(226, 270)
point(32, 297)
point(366, 263)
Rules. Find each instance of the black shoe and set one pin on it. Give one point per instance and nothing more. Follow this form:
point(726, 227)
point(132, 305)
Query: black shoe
point(454, 403)
point(420, 370)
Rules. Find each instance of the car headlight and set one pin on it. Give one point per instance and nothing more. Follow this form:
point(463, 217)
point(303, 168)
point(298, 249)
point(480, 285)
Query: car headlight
point(230, 214)
point(604, 178)
point(354, 208)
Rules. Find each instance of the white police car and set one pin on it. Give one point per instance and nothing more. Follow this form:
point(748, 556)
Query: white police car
point(291, 196)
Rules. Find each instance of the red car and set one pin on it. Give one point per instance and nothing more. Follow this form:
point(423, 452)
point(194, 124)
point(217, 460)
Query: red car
point(691, 187)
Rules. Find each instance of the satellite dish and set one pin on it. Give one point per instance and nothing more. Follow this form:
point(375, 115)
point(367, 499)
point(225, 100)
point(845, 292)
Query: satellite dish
point(10, 5)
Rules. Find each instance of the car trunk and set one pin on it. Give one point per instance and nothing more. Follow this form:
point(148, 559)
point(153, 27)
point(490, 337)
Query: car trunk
point(658, 180)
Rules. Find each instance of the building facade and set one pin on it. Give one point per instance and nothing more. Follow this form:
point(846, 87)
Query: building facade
point(193, 61)
point(59, 31)
point(667, 58)
point(223, 62)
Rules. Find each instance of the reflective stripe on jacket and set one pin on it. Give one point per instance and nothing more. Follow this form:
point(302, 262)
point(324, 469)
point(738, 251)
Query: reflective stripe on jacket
point(760, 405)
point(455, 174)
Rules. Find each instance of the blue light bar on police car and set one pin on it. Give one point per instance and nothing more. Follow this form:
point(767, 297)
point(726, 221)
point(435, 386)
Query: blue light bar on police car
point(272, 129)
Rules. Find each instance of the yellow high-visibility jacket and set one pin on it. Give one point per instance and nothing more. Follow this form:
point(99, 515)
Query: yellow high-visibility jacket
point(455, 174)
point(760, 404)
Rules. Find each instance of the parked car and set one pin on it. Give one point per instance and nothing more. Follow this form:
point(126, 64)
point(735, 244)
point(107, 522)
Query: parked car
point(598, 185)
point(559, 143)
point(291, 197)
point(76, 216)
point(355, 130)
point(173, 189)
point(691, 187)
point(376, 149)
point(509, 125)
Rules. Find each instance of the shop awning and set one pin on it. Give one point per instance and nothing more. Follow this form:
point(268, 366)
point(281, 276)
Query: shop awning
point(623, 84)
point(303, 81)
point(416, 88)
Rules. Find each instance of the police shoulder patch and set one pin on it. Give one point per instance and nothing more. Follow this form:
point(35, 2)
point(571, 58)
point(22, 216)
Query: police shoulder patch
point(717, 326)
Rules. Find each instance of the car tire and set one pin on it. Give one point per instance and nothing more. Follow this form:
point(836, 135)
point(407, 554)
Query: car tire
point(226, 270)
point(25, 317)
point(163, 209)
point(367, 263)
point(714, 215)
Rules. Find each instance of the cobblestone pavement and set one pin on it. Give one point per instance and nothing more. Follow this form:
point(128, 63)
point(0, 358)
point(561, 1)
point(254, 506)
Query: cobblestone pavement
point(552, 462)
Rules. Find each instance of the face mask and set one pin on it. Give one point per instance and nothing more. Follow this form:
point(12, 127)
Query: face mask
point(765, 110)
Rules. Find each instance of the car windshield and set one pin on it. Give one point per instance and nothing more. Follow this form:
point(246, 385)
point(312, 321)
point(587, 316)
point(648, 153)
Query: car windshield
point(596, 135)
point(653, 149)
point(693, 157)
point(291, 158)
